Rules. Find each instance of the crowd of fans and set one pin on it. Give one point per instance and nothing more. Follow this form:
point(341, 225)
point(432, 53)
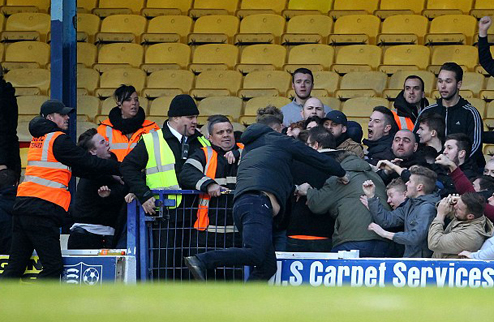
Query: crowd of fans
point(417, 184)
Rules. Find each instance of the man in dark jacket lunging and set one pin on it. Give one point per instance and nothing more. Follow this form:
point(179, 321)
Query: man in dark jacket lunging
point(264, 183)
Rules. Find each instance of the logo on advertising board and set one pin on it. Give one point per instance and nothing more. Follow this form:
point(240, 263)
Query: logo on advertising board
point(82, 274)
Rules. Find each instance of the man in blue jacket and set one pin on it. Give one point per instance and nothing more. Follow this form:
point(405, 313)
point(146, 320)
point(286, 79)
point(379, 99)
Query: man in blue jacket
point(264, 183)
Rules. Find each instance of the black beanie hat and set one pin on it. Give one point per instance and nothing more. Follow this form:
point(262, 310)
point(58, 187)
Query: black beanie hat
point(183, 105)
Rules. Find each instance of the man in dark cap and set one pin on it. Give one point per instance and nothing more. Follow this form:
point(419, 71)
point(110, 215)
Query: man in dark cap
point(336, 123)
point(43, 198)
point(180, 138)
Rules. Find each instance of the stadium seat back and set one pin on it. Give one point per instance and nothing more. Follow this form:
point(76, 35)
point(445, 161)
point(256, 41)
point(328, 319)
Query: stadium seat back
point(87, 78)
point(118, 76)
point(461, 54)
point(263, 23)
point(30, 77)
point(367, 5)
point(134, 5)
point(87, 54)
point(312, 54)
point(264, 54)
point(228, 5)
point(135, 24)
point(28, 51)
point(364, 80)
point(276, 5)
point(131, 54)
point(224, 105)
point(321, 5)
point(360, 54)
point(255, 103)
point(221, 24)
point(181, 25)
point(228, 79)
point(362, 106)
point(416, 55)
point(216, 53)
point(168, 53)
point(181, 79)
point(277, 79)
point(310, 24)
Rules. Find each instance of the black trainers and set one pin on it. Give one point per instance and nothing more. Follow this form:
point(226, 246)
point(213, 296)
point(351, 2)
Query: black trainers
point(196, 267)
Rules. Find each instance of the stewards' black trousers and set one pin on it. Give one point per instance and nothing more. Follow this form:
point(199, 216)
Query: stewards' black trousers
point(253, 217)
point(35, 233)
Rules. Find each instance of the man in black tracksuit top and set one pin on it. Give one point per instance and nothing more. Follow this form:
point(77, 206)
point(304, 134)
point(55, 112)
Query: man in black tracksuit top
point(264, 183)
point(459, 115)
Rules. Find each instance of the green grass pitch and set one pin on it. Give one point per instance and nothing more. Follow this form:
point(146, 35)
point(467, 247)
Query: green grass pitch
point(240, 302)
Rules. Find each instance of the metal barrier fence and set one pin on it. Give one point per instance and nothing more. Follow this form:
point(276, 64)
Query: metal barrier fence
point(160, 242)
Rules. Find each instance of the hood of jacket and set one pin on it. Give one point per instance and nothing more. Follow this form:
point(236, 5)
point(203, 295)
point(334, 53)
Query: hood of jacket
point(353, 163)
point(40, 126)
point(126, 126)
point(483, 226)
point(403, 108)
point(384, 143)
point(254, 132)
point(432, 198)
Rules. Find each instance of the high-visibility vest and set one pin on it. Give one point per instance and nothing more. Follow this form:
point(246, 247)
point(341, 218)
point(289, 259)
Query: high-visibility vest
point(120, 144)
point(160, 168)
point(46, 178)
point(403, 122)
point(202, 221)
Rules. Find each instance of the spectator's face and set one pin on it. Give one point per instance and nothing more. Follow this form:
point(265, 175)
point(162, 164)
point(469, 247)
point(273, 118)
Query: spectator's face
point(451, 151)
point(302, 85)
point(222, 136)
point(461, 210)
point(413, 91)
point(447, 85)
point(101, 147)
point(425, 134)
point(376, 127)
point(412, 185)
point(313, 107)
point(311, 125)
point(130, 106)
point(189, 123)
point(61, 120)
point(489, 169)
point(396, 197)
point(404, 144)
point(336, 129)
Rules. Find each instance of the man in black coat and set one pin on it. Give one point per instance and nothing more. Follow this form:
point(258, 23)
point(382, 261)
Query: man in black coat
point(9, 142)
point(381, 130)
point(264, 183)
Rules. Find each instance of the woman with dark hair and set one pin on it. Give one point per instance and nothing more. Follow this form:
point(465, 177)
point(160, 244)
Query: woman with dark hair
point(126, 122)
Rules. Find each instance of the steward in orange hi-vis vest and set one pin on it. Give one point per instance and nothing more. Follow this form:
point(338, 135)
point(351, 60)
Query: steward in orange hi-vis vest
point(43, 199)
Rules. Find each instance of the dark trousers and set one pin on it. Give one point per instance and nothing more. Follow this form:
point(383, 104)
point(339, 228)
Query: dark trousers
point(367, 248)
point(253, 217)
point(35, 233)
point(82, 239)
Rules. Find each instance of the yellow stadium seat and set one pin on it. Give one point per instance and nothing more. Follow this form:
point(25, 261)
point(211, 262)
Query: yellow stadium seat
point(166, 56)
point(167, 29)
point(156, 8)
point(27, 26)
point(488, 92)
point(355, 29)
point(464, 55)
point(29, 81)
point(265, 83)
point(357, 58)
point(88, 105)
point(2, 51)
point(316, 57)
point(479, 104)
point(86, 6)
point(362, 106)
point(473, 82)
point(111, 7)
point(87, 80)
point(121, 28)
point(389, 8)
point(325, 80)
point(355, 84)
point(168, 83)
point(160, 106)
point(405, 57)
point(16, 6)
point(332, 102)
point(30, 54)
point(302, 7)
point(87, 54)
point(403, 29)
point(110, 103)
point(217, 7)
point(87, 26)
point(112, 79)
point(354, 7)
point(217, 83)
point(482, 8)
point(119, 55)
point(30, 104)
point(214, 57)
point(307, 29)
point(256, 103)
point(248, 7)
point(214, 29)
point(261, 57)
point(224, 105)
point(2, 22)
point(397, 81)
point(451, 29)
point(260, 28)
point(437, 8)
